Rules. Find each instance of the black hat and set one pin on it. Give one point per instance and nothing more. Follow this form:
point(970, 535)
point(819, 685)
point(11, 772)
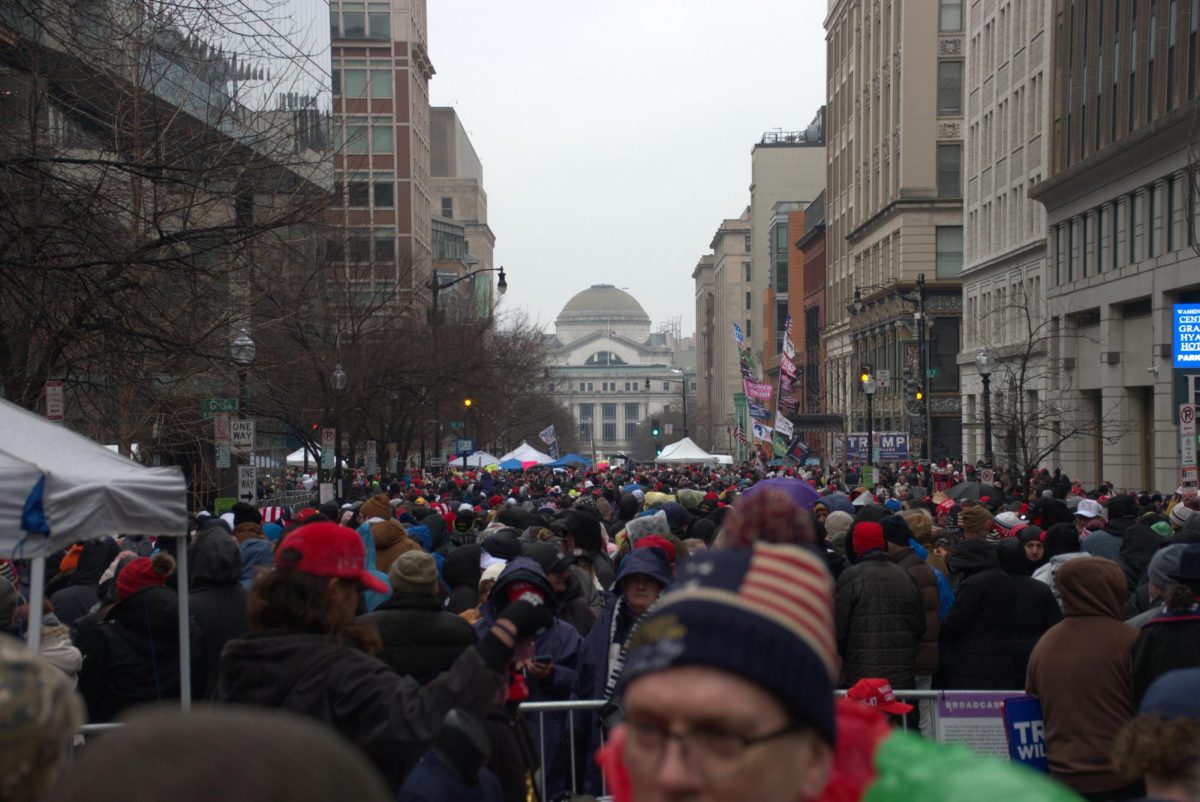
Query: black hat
point(896, 530)
point(245, 513)
point(546, 555)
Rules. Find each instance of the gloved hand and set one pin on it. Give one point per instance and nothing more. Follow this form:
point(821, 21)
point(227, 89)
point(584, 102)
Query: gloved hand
point(529, 614)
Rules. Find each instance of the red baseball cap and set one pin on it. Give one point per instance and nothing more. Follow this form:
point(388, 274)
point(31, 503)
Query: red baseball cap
point(878, 693)
point(329, 549)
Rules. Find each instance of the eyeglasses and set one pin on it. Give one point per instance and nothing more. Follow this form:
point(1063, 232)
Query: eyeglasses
point(704, 750)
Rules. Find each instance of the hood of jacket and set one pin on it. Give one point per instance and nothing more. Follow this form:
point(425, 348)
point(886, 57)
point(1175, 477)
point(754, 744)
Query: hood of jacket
point(260, 667)
point(628, 507)
point(651, 562)
point(154, 608)
point(248, 531)
point(1091, 586)
point(519, 569)
point(972, 556)
point(93, 560)
point(256, 555)
point(461, 569)
point(215, 559)
point(1119, 526)
point(438, 536)
point(1010, 553)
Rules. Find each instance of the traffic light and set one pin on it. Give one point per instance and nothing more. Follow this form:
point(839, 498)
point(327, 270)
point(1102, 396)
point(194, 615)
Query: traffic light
point(655, 430)
point(866, 372)
point(919, 394)
point(658, 448)
point(467, 403)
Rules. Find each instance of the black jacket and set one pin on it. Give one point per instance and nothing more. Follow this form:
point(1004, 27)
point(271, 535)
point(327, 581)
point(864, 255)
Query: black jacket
point(391, 718)
point(1035, 611)
point(880, 621)
point(420, 639)
point(217, 599)
point(1168, 641)
point(82, 593)
point(131, 657)
point(573, 607)
point(977, 629)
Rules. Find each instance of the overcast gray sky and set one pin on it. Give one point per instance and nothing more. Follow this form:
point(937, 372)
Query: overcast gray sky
point(615, 136)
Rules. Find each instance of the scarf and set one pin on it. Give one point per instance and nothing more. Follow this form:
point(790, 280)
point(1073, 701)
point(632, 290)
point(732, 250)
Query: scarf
point(617, 663)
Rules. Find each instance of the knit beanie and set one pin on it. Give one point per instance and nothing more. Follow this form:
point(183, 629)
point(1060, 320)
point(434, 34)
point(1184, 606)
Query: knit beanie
point(778, 598)
point(414, 572)
point(1164, 563)
point(144, 572)
point(867, 536)
point(837, 526)
point(244, 513)
point(895, 530)
point(975, 518)
point(1180, 515)
point(377, 506)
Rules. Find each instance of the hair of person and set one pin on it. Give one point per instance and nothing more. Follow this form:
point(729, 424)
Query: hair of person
point(1178, 598)
point(770, 516)
point(293, 758)
point(1165, 750)
point(288, 599)
point(921, 524)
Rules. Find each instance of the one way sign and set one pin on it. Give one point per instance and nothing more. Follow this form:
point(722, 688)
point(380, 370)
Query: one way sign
point(247, 484)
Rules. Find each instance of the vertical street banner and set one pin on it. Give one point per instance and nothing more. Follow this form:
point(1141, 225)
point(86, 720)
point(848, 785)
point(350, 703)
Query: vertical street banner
point(54, 401)
point(549, 437)
point(784, 400)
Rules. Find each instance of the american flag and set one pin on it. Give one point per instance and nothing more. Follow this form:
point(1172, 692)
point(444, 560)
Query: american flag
point(740, 434)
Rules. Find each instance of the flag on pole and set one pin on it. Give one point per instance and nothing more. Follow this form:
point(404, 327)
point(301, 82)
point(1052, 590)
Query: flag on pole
point(740, 434)
point(547, 435)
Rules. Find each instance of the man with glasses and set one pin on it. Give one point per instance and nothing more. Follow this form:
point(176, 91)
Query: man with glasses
point(728, 688)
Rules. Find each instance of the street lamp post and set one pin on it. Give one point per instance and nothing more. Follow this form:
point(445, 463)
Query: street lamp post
point(436, 286)
point(869, 388)
point(338, 381)
point(984, 364)
point(242, 350)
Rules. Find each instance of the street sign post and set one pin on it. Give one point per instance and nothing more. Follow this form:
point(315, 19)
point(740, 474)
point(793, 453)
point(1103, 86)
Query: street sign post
point(221, 428)
point(223, 457)
point(883, 377)
point(456, 425)
point(327, 439)
point(464, 446)
point(1187, 419)
point(241, 436)
point(247, 484)
point(211, 406)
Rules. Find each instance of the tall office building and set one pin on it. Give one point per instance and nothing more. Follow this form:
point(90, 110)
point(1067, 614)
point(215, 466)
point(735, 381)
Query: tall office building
point(1120, 200)
point(1007, 150)
point(894, 207)
point(381, 73)
point(459, 200)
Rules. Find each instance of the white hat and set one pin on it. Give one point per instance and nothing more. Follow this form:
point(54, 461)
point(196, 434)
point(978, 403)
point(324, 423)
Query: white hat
point(1089, 508)
point(863, 500)
point(465, 508)
point(493, 571)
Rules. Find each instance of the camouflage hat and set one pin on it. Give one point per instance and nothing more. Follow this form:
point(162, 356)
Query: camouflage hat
point(39, 716)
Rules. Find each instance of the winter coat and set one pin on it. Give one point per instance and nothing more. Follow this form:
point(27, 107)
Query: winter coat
point(977, 629)
point(131, 656)
point(593, 596)
point(390, 717)
point(880, 618)
point(573, 606)
point(562, 643)
point(420, 639)
point(82, 594)
point(1048, 572)
point(927, 583)
point(1107, 542)
point(370, 598)
point(257, 556)
point(216, 599)
point(1035, 611)
point(1168, 641)
point(433, 781)
point(1082, 671)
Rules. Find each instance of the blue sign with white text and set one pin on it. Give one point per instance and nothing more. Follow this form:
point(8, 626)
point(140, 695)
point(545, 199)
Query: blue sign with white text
point(1185, 336)
point(1025, 729)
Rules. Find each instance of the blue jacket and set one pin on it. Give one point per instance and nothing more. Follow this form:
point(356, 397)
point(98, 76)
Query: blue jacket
point(371, 598)
point(257, 555)
point(562, 644)
point(945, 592)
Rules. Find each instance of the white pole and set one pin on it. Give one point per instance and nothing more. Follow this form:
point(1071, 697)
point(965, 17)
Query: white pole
point(185, 620)
point(37, 597)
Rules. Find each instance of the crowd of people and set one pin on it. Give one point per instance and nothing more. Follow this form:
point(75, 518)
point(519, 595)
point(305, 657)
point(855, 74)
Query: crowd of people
point(709, 612)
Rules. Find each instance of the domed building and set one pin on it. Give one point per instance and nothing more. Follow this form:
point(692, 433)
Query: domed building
point(615, 373)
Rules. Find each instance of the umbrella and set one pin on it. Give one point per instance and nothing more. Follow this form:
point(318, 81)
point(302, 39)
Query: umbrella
point(966, 490)
point(801, 492)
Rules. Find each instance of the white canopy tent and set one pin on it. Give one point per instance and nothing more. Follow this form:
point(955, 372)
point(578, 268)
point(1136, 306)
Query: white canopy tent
point(480, 459)
point(527, 453)
point(58, 487)
point(314, 459)
point(685, 451)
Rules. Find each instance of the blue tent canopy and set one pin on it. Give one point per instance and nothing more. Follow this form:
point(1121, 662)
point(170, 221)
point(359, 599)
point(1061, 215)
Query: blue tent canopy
point(570, 461)
point(510, 465)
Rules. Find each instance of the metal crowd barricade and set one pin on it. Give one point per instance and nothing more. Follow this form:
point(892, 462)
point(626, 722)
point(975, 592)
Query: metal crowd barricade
point(570, 708)
point(289, 499)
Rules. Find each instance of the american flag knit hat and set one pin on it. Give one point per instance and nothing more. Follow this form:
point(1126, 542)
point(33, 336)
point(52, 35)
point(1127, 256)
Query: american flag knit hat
point(764, 614)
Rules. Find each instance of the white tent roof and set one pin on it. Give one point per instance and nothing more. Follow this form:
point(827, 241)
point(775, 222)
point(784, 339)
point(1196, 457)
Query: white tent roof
point(527, 453)
point(297, 457)
point(685, 451)
point(89, 492)
point(480, 459)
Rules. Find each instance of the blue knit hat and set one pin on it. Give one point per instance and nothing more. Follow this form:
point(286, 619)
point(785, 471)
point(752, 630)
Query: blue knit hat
point(764, 614)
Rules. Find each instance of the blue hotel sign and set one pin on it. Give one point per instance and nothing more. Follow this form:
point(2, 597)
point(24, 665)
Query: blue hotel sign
point(1185, 328)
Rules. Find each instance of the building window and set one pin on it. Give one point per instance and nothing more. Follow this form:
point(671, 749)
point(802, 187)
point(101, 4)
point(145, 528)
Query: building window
point(361, 135)
point(949, 15)
point(949, 166)
point(608, 419)
point(582, 387)
point(385, 190)
point(949, 251)
point(448, 208)
point(384, 243)
point(585, 421)
point(746, 243)
point(362, 21)
point(950, 87)
point(631, 430)
point(1169, 221)
point(633, 412)
point(746, 269)
point(381, 83)
point(748, 304)
point(354, 82)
